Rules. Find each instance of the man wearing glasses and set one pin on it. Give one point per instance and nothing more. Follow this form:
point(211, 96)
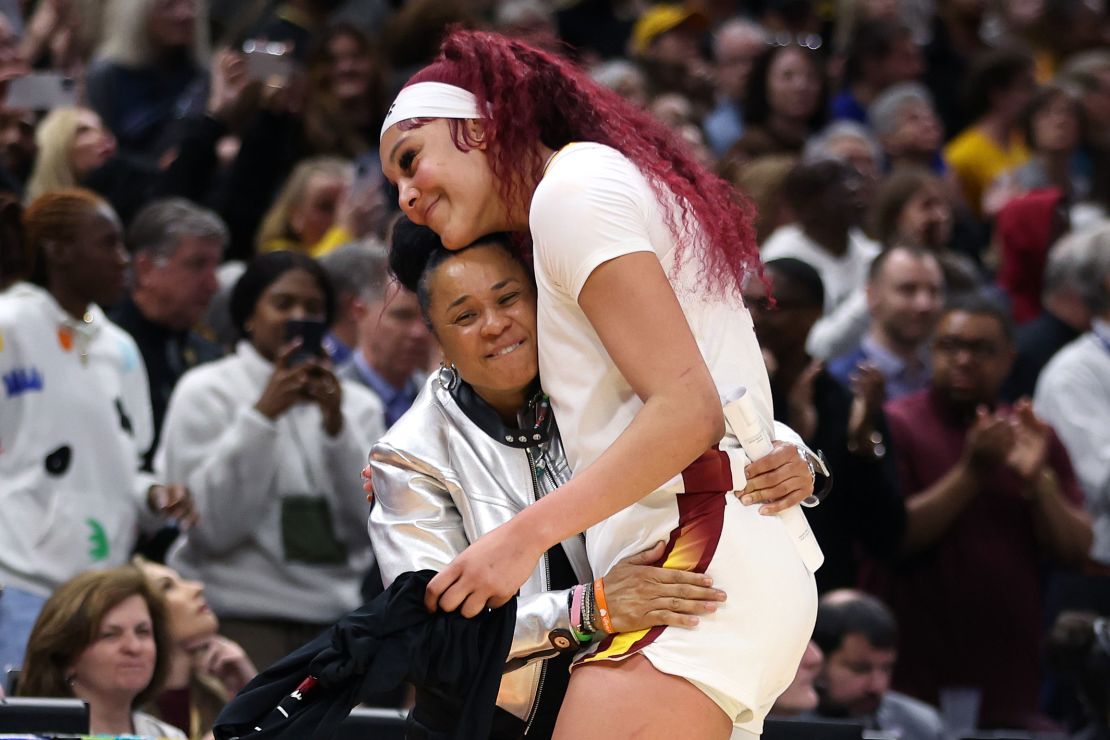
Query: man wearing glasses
point(990, 497)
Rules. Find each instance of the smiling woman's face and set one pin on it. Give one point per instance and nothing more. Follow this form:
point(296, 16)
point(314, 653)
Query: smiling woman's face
point(482, 306)
point(450, 191)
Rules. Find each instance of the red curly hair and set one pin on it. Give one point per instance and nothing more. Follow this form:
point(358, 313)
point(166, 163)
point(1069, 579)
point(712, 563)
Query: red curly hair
point(535, 95)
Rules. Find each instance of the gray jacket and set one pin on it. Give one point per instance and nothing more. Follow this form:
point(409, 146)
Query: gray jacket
point(422, 518)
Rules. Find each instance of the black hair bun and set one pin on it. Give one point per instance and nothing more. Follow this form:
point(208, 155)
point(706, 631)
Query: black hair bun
point(412, 246)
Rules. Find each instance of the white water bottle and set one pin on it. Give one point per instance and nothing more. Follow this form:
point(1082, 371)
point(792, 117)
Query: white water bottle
point(743, 420)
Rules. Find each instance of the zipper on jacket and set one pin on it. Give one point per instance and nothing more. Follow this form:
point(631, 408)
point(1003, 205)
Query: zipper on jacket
point(546, 587)
point(536, 705)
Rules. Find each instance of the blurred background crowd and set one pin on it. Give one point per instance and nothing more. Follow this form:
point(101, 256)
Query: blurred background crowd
point(180, 178)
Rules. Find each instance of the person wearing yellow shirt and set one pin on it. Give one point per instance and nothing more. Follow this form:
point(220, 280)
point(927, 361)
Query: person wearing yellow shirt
point(320, 207)
point(999, 87)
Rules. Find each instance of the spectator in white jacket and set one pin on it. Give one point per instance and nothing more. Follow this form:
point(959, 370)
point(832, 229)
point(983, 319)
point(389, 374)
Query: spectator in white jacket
point(826, 198)
point(75, 415)
point(1073, 391)
point(271, 444)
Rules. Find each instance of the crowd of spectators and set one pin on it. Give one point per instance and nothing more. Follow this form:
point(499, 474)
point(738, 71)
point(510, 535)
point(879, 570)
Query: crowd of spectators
point(181, 181)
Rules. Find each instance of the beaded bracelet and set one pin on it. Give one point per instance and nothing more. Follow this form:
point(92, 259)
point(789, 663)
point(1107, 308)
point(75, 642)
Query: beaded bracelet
point(603, 607)
point(592, 609)
point(589, 607)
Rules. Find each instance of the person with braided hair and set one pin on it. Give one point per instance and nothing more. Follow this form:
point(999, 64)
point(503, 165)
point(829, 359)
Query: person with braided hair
point(75, 415)
point(639, 254)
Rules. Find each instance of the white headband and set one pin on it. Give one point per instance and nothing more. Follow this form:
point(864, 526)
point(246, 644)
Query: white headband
point(431, 100)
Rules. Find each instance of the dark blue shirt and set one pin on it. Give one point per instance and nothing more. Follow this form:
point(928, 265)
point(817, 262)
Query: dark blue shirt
point(395, 400)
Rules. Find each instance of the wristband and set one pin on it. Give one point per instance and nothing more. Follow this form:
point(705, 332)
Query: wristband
point(576, 615)
point(576, 607)
point(603, 607)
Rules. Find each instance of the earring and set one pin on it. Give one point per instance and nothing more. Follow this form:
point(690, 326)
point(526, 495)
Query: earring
point(71, 679)
point(448, 377)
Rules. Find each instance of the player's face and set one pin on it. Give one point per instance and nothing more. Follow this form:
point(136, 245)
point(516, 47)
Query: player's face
point(443, 187)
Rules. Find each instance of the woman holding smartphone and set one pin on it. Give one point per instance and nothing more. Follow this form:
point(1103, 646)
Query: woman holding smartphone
point(269, 441)
point(639, 255)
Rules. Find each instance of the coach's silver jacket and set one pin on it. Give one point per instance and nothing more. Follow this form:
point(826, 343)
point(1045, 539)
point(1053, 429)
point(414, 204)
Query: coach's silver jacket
point(423, 517)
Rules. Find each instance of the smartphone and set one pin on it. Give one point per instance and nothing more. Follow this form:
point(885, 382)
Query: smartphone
point(311, 333)
point(368, 175)
point(41, 91)
point(267, 60)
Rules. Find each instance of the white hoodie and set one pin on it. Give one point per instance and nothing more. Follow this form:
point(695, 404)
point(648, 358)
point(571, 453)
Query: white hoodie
point(282, 530)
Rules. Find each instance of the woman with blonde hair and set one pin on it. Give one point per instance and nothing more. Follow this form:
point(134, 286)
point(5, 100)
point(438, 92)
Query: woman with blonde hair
point(76, 147)
point(101, 637)
point(71, 142)
point(319, 208)
point(149, 68)
point(127, 39)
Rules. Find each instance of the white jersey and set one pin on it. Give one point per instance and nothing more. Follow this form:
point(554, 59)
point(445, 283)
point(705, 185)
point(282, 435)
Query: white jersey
point(594, 205)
